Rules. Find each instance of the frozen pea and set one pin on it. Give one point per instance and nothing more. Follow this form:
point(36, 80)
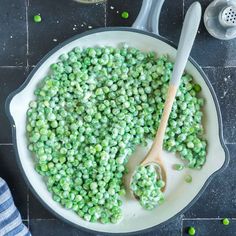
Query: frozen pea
point(92, 110)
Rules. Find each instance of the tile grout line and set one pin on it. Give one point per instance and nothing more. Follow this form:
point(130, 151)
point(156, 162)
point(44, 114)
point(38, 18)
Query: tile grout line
point(24, 66)
point(27, 33)
point(28, 208)
point(216, 67)
point(199, 219)
point(12, 66)
point(105, 16)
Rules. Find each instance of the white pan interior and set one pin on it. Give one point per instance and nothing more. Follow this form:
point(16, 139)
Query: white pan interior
point(178, 195)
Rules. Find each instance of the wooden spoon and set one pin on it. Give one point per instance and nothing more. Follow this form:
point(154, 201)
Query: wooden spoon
point(188, 34)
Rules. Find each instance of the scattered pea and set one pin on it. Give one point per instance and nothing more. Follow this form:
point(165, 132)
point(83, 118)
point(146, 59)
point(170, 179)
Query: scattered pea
point(37, 18)
point(225, 221)
point(178, 167)
point(125, 15)
point(197, 88)
point(191, 231)
point(188, 179)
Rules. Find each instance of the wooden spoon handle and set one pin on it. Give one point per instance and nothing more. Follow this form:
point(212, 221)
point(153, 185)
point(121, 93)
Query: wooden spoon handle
point(158, 141)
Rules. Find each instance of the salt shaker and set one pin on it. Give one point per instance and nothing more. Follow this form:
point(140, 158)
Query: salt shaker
point(220, 19)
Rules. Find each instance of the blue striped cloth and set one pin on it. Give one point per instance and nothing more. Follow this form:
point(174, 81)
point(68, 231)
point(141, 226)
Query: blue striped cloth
point(10, 219)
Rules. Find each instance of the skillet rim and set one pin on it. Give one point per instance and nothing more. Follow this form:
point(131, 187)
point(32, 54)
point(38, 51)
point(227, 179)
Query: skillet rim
point(50, 53)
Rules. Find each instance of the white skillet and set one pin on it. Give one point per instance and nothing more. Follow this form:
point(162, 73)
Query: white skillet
point(179, 195)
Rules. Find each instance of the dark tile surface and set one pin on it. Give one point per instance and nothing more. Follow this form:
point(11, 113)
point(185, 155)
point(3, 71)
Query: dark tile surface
point(171, 20)
point(13, 40)
point(210, 227)
point(39, 227)
point(37, 210)
point(10, 79)
point(10, 172)
point(224, 84)
point(173, 228)
point(115, 8)
point(53, 227)
point(219, 200)
point(209, 51)
point(169, 26)
point(60, 20)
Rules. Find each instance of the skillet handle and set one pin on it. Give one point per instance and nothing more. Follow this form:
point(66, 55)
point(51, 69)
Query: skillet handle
point(142, 19)
point(148, 18)
point(155, 16)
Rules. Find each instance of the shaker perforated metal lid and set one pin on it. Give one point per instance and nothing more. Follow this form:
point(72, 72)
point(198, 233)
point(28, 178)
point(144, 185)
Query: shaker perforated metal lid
point(220, 19)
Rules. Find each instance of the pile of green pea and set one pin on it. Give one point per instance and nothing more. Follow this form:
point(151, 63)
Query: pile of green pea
point(92, 110)
point(147, 187)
